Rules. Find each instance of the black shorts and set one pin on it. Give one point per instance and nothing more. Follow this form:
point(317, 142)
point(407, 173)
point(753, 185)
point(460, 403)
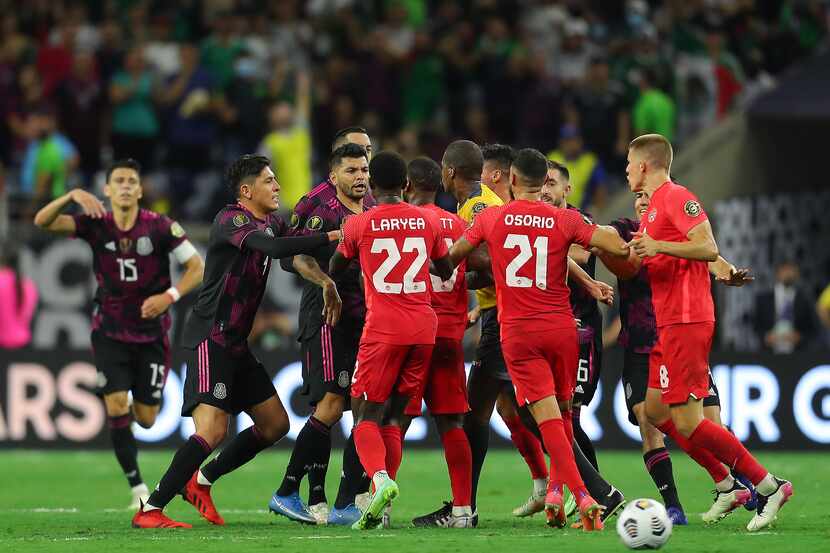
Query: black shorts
point(233, 382)
point(588, 371)
point(488, 352)
point(125, 366)
point(635, 383)
point(329, 357)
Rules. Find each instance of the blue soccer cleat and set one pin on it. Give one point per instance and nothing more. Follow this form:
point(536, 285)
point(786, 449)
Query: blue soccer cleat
point(677, 516)
point(752, 504)
point(346, 516)
point(292, 507)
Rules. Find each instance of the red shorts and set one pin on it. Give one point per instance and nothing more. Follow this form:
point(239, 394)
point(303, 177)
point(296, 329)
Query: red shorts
point(382, 369)
point(679, 362)
point(445, 385)
point(542, 363)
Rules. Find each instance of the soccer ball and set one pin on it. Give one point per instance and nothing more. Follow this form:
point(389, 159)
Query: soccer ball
point(644, 524)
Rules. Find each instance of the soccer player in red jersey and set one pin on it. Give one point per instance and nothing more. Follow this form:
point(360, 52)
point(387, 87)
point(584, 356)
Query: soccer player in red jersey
point(445, 386)
point(528, 243)
point(675, 243)
point(394, 243)
point(131, 250)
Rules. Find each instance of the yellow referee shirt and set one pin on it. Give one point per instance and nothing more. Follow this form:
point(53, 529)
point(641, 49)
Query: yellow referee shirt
point(480, 198)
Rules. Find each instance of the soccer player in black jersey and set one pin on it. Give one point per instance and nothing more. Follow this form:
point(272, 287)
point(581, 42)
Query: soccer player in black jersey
point(329, 350)
point(223, 376)
point(131, 250)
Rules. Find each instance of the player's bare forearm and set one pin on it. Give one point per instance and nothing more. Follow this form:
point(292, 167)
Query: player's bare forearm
point(338, 263)
point(48, 213)
point(478, 279)
point(579, 254)
point(193, 274)
point(460, 250)
point(308, 268)
point(577, 274)
point(479, 259)
point(697, 250)
point(286, 246)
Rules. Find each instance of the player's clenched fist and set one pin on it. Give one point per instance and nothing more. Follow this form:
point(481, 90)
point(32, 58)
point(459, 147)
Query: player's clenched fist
point(644, 245)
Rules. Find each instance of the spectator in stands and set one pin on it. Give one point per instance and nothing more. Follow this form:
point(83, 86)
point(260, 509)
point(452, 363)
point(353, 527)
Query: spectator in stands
point(135, 127)
point(654, 111)
point(49, 160)
point(588, 177)
point(18, 299)
point(823, 311)
point(783, 316)
point(220, 50)
point(288, 145)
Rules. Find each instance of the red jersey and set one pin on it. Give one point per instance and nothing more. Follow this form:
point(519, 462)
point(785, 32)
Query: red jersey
point(449, 298)
point(680, 288)
point(528, 243)
point(394, 243)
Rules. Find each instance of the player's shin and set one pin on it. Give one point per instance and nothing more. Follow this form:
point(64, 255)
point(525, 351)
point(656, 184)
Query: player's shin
point(185, 462)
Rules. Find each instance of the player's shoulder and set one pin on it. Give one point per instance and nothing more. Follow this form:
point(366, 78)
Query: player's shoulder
point(232, 214)
point(584, 215)
point(321, 193)
point(680, 197)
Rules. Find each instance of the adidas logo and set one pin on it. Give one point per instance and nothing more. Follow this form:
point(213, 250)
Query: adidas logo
point(110, 246)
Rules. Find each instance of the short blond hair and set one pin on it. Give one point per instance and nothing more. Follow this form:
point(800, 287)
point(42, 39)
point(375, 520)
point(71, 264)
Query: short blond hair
point(655, 148)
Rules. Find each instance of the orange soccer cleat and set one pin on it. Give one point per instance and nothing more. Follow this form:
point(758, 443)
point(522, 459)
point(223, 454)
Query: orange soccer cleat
point(199, 496)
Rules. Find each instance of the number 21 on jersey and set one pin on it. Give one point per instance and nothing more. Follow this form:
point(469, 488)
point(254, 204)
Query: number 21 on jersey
point(522, 242)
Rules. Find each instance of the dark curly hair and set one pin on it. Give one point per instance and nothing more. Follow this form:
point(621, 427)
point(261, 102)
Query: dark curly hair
point(246, 167)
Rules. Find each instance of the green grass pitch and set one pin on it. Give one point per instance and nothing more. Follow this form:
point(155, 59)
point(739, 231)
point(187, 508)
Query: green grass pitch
point(73, 501)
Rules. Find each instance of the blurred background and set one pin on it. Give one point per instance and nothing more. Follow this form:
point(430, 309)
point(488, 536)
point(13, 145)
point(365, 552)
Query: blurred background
point(185, 86)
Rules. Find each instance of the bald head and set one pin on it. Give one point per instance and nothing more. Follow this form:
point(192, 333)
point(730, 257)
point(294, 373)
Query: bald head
point(464, 158)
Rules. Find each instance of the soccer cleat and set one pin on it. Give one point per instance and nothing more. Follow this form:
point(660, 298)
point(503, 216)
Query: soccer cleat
point(612, 503)
point(199, 496)
point(752, 504)
point(432, 518)
point(590, 513)
point(320, 512)
point(346, 516)
point(769, 505)
point(555, 508)
point(725, 503)
point(534, 504)
point(292, 507)
point(140, 495)
point(677, 516)
point(362, 500)
point(570, 504)
point(155, 519)
point(385, 492)
point(474, 519)
point(445, 517)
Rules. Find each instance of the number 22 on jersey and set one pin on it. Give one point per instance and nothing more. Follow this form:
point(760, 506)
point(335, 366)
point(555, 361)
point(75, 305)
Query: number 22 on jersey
point(390, 247)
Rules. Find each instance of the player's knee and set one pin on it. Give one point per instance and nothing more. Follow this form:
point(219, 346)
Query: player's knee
point(329, 410)
point(274, 431)
point(445, 423)
point(685, 425)
point(213, 435)
point(145, 420)
point(117, 404)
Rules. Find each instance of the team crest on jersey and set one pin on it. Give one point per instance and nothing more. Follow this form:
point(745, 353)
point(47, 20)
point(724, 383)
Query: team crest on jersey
point(220, 391)
point(125, 245)
point(692, 208)
point(240, 219)
point(269, 231)
point(176, 230)
point(295, 221)
point(628, 391)
point(144, 246)
point(315, 222)
point(479, 207)
point(652, 216)
point(343, 379)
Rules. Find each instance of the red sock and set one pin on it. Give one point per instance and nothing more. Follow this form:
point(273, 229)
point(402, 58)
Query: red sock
point(702, 456)
point(562, 464)
point(528, 446)
point(460, 466)
point(369, 445)
point(393, 441)
point(568, 422)
point(729, 449)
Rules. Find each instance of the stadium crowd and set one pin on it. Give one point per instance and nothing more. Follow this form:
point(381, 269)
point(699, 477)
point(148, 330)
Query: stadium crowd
point(184, 86)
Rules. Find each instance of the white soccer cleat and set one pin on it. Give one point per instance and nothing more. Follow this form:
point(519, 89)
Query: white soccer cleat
point(534, 504)
point(726, 502)
point(362, 500)
point(140, 495)
point(320, 512)
point(769, 505)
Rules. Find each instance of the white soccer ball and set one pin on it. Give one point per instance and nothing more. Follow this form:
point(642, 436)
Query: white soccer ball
point(644, 524)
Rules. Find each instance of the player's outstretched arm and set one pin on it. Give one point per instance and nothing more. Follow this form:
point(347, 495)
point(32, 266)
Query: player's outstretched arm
point(728, 274)
point(701, 245)
point(307, 267)
point(338, 263)
point(614, 253)
point(284, 246)
point(51, 219)
point(598, 289)
point(459, 251)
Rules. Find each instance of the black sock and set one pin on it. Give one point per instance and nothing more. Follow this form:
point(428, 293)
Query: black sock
point(239, 451)
point(303, 455)
point(319, 464)
point(583, 440)
point(185, 462)
point(596, 484)
point(479, 438)
point(126, 450)
point(658, 465)
point(353, 479)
